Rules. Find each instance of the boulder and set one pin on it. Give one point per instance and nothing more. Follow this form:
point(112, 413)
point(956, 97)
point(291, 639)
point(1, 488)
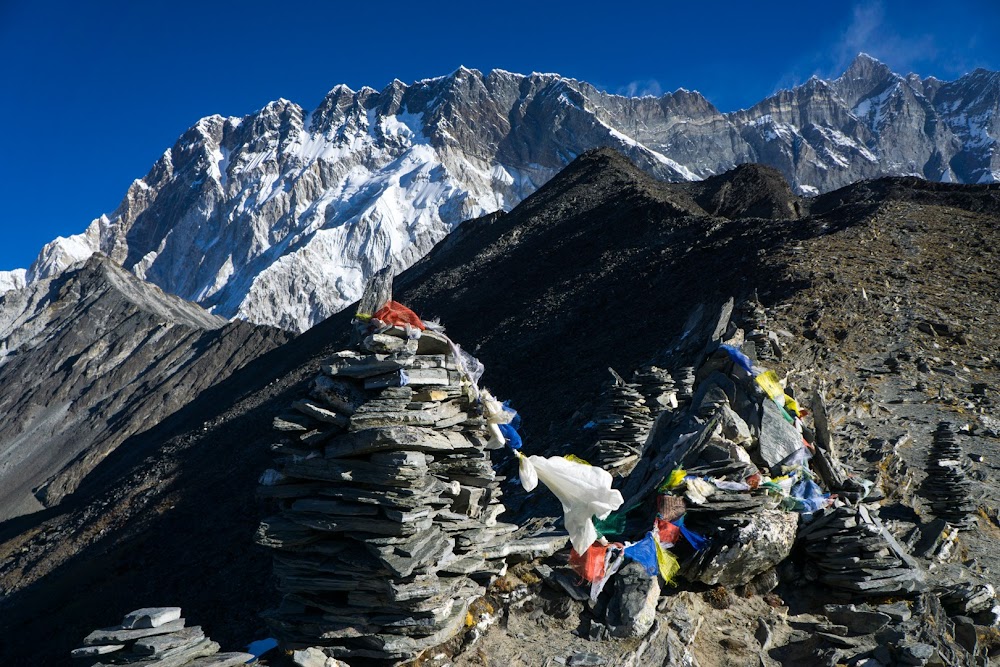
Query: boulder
point(739, 555)
point(632, 607)
point(778, 438)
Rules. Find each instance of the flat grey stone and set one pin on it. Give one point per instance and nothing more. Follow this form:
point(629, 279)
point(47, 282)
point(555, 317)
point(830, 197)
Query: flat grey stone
point(163, 643)
point(222, 660)
point(844, 642)
point(357, 366)
point(737, 556)
point(383, 343)
point(90, 651)
point(180, 657)
point(431, 342)
point(151, 617)
point(333, 507)
point(858, 621)
point(314, 657)
point(898, 611)
point(342, 395)
point(320, 413)
point(118, 634)
point(915, 653)
point(778, 438)
point(395, 438)
point(632, 607)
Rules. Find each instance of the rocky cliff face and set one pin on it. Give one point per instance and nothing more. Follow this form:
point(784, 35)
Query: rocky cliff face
point(92, 357)
point(279, 217)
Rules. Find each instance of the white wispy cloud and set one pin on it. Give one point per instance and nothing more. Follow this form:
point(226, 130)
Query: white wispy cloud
point(641, 88)
point(871, 33)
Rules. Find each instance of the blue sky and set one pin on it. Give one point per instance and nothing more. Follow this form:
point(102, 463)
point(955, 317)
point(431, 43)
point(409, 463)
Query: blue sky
point(92, 93)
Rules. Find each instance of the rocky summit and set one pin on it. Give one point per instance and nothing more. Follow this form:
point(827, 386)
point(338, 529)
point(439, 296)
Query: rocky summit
point(798, 502)
point(279, 217)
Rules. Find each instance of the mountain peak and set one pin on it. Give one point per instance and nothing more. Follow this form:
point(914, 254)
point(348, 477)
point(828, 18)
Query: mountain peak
point(865, 78)
point(313, 204)
point(865, 66)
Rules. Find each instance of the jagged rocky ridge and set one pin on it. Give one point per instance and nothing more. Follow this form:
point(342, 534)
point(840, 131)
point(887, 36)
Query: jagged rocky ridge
point(280, 216)
point(600, 268)
point(91, 358)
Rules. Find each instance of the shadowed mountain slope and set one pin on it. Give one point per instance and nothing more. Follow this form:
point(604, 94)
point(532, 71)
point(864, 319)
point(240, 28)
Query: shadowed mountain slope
point(92, 357)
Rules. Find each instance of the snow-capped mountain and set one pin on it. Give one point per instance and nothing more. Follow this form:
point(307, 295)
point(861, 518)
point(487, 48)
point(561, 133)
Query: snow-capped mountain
point(279, 217)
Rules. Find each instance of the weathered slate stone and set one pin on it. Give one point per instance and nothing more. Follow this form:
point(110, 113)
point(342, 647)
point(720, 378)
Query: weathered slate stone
point(431, 342)
point(363, 472)
point(361, 366)
point(387, 438)
point(315, 657)
point(632, 607)
point(117, 635)
point(222, 660)
point(737, 556)
point(413, 377)
point(151, 617)
point(383, 343)
point(859, 621)
point(181, 657)
point(91, 651)
point(163, 643)
point(290, 424)
point(897, 611)
point(320, 413)
point(333, 507)
point(778, 438)
point(342, 395)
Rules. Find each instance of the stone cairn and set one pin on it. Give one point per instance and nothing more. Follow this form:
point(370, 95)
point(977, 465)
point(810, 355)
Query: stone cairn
point(154, 636)
point(657, 387)
point(851, 551)
point(622, 424)
point(755, 322)
point(684, 381)
point(946, 486)
point(388, 500)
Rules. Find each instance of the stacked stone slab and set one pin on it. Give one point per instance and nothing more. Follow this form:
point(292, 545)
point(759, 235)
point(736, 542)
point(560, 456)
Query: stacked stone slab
point(684, 381)
point(657, 387)
point(852, 551)
point(946, 486)
point(156, 637)
point(755, 322)
point(622, 422)
point(388, 502)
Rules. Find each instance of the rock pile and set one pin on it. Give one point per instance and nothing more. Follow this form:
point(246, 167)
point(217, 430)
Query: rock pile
point(622, 424)
point(976, 601)
point(684, 380)
point(901, 633)
point(853, 552)
point(946, 485)
point(657, 386)
point(755, 322)
point(157, 637)
point(388, 501)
